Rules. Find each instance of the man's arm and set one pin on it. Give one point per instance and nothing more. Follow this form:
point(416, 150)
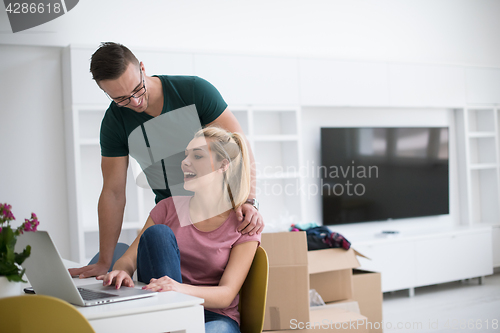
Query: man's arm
point(253, 222)
point(110, 209)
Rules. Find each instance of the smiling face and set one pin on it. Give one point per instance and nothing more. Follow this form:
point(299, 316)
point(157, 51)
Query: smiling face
point(201, 168)
point(131, 82)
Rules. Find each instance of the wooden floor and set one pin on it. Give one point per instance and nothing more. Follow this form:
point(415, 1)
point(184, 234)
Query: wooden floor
point(463, 306)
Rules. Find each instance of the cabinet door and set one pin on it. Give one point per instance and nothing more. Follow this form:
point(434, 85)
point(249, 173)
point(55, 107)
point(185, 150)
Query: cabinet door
point(453, 257)
point(395, 261)
point(496, 246)
point(419, 85)
point(343, 83)
point(163, 63)
point(84, 90)
point(483, 85)
point(251, 79)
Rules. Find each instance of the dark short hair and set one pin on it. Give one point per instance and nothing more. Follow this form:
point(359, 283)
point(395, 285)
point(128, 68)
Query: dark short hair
point(110, 61)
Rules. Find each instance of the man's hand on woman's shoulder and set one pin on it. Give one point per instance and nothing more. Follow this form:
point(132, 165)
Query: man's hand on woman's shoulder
point(251, 220)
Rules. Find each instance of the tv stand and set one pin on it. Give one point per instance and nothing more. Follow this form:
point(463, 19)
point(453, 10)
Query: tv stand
point(387, 234)
point(426, 257)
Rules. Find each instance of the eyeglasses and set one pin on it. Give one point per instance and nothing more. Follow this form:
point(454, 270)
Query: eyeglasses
point(138, 93)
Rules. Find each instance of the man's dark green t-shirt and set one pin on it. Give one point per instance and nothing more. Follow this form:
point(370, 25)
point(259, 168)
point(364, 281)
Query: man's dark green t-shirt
point(146, 138)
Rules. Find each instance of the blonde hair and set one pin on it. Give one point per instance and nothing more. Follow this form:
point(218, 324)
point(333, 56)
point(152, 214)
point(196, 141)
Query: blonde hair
point(232, 147)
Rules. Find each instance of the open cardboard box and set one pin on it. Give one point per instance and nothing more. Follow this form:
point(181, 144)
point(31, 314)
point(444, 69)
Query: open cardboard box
point(288, 286)
point(367, 287)
point(347, 304)
point(334, 275)
point(330, 273)
point(329, 319)
point(293, 271)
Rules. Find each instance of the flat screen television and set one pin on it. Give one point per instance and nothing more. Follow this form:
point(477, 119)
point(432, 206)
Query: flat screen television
point(379, 174)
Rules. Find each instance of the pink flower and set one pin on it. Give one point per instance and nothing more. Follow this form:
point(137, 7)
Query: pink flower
point(5, 210)
point(26, 225)
point(9, 240)
point(31, 224)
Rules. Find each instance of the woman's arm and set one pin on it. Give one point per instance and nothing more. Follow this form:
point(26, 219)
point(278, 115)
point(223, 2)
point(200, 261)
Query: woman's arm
point(221, 296)
point(125, 267)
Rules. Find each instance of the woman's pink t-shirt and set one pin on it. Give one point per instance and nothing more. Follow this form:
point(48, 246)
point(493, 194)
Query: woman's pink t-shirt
point(204, 255)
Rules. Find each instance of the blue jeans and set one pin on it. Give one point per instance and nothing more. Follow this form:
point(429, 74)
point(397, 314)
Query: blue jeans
point(157, 256)
point(217, 323)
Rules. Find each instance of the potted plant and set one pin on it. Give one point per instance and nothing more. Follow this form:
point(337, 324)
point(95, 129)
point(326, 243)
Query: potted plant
point(11, 272)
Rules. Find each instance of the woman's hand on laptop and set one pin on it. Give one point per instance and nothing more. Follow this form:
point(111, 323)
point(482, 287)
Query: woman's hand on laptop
point(117, 278)
point(164, 284)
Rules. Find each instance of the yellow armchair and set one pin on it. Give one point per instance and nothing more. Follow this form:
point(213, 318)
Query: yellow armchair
point(253, 293)
point(41, 314)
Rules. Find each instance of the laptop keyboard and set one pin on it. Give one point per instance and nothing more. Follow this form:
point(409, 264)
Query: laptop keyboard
point(89, 295)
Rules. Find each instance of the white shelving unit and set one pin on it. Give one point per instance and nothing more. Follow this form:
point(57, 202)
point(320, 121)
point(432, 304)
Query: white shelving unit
point(274, 136)
point(85, 156)
point(479, 149)
point(275, 144)
point(266, 93)
point(274, 141)
point(84, 107)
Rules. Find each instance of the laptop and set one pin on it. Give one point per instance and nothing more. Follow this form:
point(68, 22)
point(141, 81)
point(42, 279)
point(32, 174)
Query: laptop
point(48, 275)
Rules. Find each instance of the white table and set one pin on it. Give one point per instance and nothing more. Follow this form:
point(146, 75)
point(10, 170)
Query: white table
point(164, 312)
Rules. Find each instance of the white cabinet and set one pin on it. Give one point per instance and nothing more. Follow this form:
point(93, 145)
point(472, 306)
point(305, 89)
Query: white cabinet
point(85, 184)
point(425, 85)
point(396, 261)
point(453, 257)
point(88, 160)
point(251, 80)
point(274, 135)
point(81, 88)
point(496, 245)
point(478, 147)
point(165, 63)
point(425, 258)
point(326, 82)
point(483, 85)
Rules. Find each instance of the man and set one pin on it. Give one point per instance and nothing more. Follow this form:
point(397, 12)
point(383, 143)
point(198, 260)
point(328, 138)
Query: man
point(143, 106)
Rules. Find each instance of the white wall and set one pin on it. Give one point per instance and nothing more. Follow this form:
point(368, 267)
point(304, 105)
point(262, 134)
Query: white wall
point(32, 158)
point(437, 31)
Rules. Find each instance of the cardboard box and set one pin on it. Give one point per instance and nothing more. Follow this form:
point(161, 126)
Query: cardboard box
point(327, 320)
point(288, 286)
point(368, 293)
point(348, 305)
point(330, 273)
point(293, 271)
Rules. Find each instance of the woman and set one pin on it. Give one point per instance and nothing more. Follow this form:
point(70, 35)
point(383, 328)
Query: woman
point(191, 244)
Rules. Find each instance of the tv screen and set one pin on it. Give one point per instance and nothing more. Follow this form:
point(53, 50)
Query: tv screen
point(377, 174)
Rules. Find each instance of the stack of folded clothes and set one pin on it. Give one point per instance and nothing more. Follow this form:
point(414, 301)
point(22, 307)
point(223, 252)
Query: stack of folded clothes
point(320, 237)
